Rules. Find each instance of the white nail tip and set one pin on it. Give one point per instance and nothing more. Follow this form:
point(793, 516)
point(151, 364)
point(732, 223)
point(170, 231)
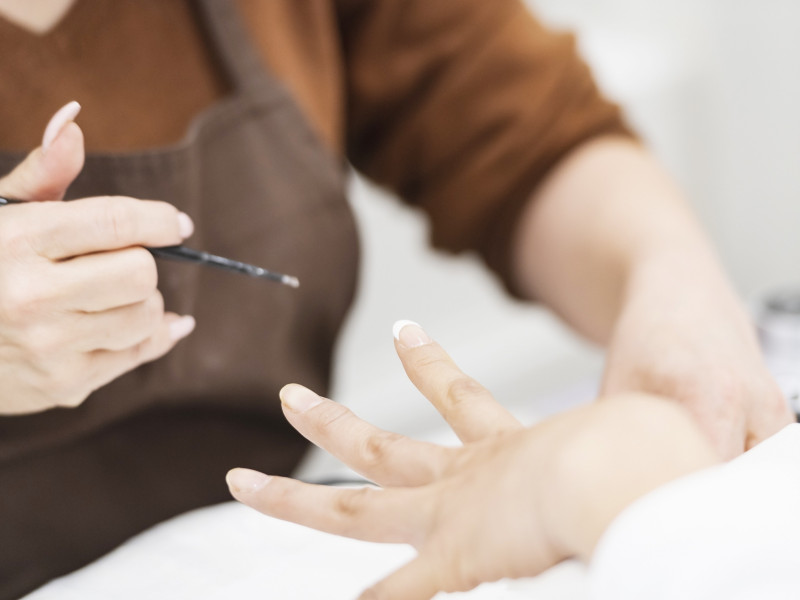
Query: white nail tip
point(64, 115)
point(399, 325)
point(181, 328)
point(185, 225)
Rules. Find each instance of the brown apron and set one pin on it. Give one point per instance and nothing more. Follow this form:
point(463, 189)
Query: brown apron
point(158, 441)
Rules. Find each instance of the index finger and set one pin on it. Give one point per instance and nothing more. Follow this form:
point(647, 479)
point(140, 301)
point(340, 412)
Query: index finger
point(67, 229)
point(465, 404)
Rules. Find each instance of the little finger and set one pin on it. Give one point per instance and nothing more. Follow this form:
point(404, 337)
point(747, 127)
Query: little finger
point(107, 365)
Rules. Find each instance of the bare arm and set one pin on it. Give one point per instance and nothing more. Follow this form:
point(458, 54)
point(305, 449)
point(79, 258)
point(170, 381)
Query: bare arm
point(605, 212)
point(609, 243)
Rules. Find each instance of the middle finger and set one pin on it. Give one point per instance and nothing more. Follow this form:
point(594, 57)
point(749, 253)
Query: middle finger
point(106, 280)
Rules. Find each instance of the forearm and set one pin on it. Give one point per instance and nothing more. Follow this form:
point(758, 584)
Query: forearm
point(605, 219)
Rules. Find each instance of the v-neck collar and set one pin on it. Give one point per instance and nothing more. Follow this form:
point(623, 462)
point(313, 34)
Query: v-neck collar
point(19, 19)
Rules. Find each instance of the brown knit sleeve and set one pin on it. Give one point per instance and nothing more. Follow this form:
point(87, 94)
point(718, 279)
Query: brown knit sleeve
point(462, 107)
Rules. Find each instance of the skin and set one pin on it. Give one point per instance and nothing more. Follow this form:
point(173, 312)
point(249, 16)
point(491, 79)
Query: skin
point(79, 304)
point(511, 502)
point(659, 300)
point(38, 16)
point(624, 238)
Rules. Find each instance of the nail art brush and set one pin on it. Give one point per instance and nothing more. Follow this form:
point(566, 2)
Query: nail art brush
point(182, 253)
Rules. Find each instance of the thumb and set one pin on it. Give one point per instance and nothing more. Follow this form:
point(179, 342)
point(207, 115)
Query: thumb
point(415, 580)
point(46, 172)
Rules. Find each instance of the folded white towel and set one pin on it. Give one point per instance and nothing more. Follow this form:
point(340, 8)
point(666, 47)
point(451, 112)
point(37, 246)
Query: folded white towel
point(731, 532)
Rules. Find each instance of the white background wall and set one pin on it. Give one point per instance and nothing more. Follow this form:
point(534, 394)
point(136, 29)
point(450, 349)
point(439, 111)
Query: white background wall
point(714, 86)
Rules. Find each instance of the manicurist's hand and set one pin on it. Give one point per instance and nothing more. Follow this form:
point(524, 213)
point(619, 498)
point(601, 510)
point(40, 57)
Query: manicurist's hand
point(510, 503)
point(610, 244)
point(78, 299)
point(683, 334)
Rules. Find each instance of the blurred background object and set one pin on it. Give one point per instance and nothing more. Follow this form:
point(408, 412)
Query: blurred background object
point(778, 318)
point(713, 87)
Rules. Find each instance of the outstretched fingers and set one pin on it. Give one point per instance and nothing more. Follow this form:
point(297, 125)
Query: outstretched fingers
point(370, 514)
point(465, 404)
point(386, 458)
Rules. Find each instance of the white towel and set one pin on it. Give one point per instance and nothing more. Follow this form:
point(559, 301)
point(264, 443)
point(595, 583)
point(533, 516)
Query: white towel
point(731, 532)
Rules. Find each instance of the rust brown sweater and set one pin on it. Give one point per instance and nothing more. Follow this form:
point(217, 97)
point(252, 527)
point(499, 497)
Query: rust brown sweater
point(459, 106)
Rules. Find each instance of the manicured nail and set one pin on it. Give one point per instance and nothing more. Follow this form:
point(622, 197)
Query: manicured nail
point(185, 225)
point(181, 328)
point(246, 481)
point(65, 114)
point(410, 334)
point(298, 398)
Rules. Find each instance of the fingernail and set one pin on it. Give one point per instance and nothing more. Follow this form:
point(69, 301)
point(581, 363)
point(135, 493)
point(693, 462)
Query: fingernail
point(298, 398)
point(65, 114)
point(181, 328)
point(185, 225)
point(410, 334)
point(246, 481)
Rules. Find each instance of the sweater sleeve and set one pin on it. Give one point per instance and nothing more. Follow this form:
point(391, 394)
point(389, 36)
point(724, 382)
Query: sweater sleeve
point(462, 107)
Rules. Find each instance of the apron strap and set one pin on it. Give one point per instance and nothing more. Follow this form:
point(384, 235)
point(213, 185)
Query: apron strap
point(231, 42)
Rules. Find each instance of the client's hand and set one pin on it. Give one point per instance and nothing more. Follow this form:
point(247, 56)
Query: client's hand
point(510, 503)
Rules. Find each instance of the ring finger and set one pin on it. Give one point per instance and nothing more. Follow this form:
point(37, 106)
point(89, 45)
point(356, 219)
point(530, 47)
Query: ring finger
point(383, 457)
point(106, 280)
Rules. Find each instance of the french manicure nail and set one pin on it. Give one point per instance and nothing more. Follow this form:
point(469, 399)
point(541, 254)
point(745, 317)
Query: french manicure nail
point(185, 225)
point(65, 114)
point(181, 328)
point(246, 481)
point(410, 334)
point(298, 398)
